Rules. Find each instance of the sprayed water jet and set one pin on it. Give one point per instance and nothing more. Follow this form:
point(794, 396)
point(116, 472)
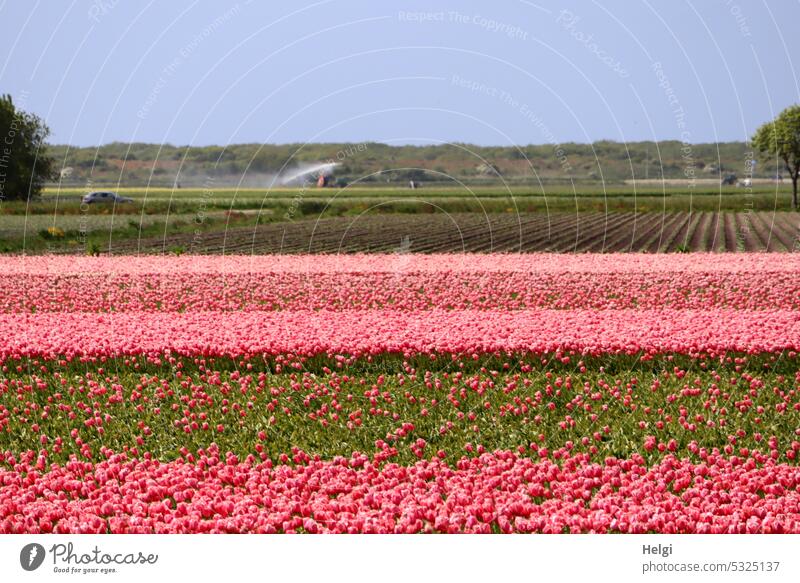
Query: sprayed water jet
point(316, 170)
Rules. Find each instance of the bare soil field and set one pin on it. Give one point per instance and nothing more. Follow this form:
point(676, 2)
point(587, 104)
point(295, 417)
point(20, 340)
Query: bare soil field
point(472, 232)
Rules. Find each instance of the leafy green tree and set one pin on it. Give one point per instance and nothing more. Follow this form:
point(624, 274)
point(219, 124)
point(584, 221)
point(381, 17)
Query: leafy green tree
point(780, 139)
point(24, 163)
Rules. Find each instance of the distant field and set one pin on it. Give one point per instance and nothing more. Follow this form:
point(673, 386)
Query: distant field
point(595, 188)
point(588, 196)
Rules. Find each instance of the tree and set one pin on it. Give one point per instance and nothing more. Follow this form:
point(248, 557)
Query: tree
point(780, 139)
point(24, 163)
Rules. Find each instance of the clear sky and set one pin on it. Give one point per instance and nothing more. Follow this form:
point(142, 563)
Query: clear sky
point(511, 71)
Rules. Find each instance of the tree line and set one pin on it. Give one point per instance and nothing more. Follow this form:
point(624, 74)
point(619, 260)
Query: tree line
point(27, 162)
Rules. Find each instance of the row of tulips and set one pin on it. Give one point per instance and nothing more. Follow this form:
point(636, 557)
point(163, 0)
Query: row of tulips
point(396, 331)
point(214, 265)
point(498, 492)
point(398, 282)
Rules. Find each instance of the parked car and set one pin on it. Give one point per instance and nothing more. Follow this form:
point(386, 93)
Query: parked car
point(105, 196)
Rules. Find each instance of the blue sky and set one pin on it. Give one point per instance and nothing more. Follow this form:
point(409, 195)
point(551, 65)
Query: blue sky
point(508, 72)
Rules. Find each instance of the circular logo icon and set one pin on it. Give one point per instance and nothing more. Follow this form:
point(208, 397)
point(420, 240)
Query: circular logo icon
point(31, 556)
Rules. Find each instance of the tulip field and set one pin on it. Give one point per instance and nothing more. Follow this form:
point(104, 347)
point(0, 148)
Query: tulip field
point(398, 393)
